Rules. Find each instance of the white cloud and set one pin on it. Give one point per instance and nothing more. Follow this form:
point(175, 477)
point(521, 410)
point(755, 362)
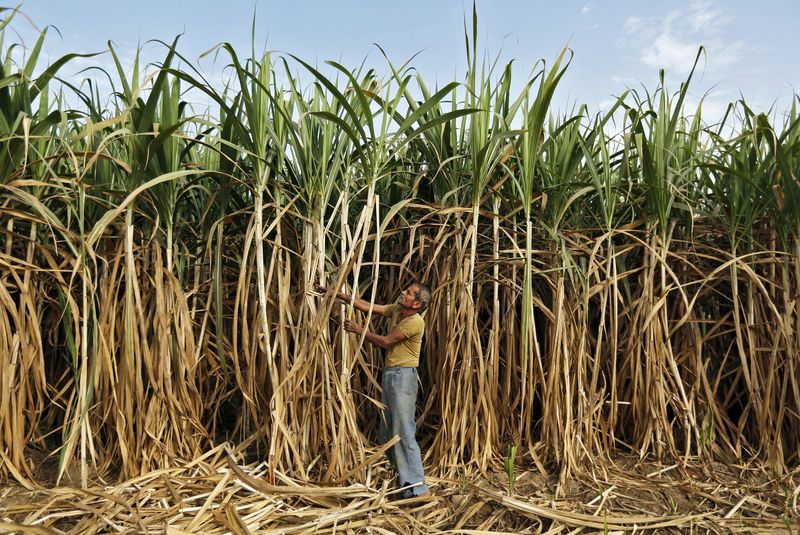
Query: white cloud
point(670, 52)
point(634, 24)
point(704, 17)
point(586, 9)
point(672, 41)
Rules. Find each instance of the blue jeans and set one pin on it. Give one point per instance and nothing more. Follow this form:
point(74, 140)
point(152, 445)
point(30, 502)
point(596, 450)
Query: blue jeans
point(400, 398)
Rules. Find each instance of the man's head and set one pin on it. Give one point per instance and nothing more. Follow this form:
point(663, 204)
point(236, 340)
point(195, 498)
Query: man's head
point(416, 296)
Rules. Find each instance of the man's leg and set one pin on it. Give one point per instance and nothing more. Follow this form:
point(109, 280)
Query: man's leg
point(385, 425)
point(400, 394)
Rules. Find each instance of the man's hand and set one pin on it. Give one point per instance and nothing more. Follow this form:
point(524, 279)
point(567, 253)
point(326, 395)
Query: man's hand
point(353, 327)
point(320, 289)
point(323, 290)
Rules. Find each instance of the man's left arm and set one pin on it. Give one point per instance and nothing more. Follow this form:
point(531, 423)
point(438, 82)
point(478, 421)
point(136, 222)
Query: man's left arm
point(393, 338)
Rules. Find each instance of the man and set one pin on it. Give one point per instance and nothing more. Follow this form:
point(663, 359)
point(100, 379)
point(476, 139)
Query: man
point(399, 382)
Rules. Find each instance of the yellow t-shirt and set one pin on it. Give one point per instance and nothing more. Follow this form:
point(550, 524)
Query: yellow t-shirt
point(405, 353)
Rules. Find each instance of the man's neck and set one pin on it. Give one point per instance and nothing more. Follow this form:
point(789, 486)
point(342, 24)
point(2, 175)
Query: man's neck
point(407, 312)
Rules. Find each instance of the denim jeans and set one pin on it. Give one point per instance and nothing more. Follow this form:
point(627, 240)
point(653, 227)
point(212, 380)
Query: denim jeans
point(400, 398)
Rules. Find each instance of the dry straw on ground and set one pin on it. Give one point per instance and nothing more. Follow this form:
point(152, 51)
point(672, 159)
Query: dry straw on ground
point(216, 495)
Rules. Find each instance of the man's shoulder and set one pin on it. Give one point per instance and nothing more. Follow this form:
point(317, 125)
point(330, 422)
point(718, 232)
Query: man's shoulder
point(416, 321)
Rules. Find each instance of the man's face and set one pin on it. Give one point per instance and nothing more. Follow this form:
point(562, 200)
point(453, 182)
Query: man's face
point(408, 297)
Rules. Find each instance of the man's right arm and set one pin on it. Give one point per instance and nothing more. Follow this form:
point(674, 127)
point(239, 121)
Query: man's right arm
point(360, 304)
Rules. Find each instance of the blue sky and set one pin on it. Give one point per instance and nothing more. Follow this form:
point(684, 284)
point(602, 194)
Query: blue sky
point(752, 48)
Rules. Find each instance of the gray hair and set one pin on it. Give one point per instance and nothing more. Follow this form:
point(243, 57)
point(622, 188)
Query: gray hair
point(423, 296)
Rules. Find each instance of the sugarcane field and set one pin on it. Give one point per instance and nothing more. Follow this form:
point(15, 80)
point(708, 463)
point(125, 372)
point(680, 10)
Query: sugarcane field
point(346, 297)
